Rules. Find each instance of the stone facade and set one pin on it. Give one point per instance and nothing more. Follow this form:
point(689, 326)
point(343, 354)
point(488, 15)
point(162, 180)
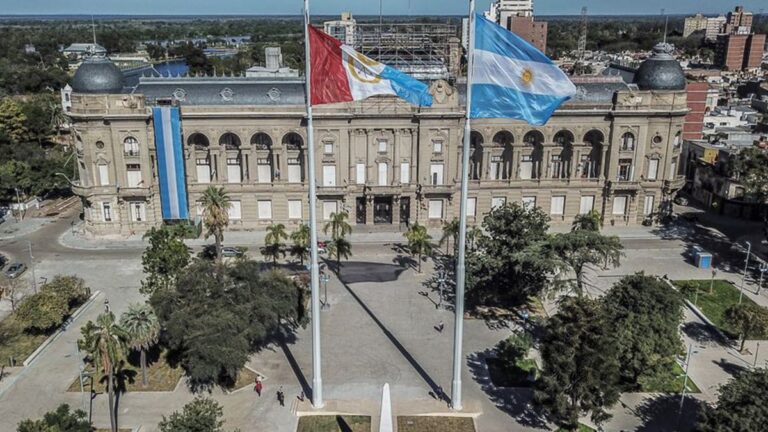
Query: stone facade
point(386, 162)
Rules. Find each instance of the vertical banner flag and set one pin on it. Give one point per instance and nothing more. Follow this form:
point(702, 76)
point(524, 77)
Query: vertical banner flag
point(513, 79)
point(170, 163)
point(341, 74)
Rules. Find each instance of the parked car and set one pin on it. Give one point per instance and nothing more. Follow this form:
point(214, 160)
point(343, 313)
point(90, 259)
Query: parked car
point(232, 252)
point(3, 261)
point(15, 270)
point(681, 200)
point(322, 247)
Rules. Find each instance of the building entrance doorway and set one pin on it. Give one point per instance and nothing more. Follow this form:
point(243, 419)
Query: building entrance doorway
point(382, 210)
point(360, 208)
point(405, 211)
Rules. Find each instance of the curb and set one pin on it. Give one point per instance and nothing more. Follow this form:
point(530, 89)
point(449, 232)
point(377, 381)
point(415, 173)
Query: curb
point(60, 331)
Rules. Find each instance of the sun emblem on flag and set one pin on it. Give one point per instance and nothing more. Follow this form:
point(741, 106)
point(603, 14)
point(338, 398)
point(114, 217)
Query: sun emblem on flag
point(527, 76)
point(358, 67)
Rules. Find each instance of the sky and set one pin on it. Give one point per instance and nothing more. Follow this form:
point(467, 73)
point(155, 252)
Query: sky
point(360, 7)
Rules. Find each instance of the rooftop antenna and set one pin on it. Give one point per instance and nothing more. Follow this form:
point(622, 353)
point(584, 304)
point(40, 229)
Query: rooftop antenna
point(381, 24)
point(583, 34)
point(93, 29)
point(666, 23)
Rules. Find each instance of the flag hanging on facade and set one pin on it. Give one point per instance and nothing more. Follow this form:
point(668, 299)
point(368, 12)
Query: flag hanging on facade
point(341, 74)
point(170, 162)
point(513, 79)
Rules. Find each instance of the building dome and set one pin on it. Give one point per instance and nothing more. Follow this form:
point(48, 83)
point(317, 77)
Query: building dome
point(97, 74)
point(661, 71)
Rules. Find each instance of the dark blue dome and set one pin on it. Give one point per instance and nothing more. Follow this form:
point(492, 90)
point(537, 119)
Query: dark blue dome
point(661, 71)
point(97, 74)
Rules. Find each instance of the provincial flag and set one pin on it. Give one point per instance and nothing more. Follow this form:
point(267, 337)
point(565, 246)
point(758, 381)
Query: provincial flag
point(341, 74)
point(513, 79)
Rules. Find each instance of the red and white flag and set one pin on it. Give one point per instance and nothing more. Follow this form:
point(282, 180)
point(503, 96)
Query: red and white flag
point(341, 74)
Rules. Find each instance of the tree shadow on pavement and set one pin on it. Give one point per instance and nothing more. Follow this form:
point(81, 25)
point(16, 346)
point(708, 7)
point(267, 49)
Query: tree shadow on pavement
point(730, 368)
point(703, 334)
point(516, 402)
point(660, 413)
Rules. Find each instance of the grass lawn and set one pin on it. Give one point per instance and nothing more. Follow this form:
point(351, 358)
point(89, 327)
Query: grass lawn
point(321, 423)
point(16, 342)
point(724, 295)
point(673, 383)
point(435, 424)
point(517, 377)
point(582, 428)
point(160, 375)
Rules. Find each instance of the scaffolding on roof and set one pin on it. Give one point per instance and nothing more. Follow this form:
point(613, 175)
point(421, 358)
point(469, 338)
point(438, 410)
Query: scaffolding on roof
point(424, 50)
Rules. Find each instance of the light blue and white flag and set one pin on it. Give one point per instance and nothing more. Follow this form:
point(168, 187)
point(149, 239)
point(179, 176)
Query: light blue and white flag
point(513, 79)
point(170, 162)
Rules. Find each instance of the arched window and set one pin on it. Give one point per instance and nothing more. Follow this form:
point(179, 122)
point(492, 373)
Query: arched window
point(261, 141)
point(533, 138)
point(628, 141)
point(503, 138)
point(589, 165)
point(131, 146)
point(564, 138)
point(476, 156)
point(293, 141)
point(678, 140)
point(230, 141)
point(594, 137)
point(198, 140)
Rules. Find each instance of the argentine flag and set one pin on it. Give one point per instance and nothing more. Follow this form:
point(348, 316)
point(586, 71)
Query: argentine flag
point(512, 79)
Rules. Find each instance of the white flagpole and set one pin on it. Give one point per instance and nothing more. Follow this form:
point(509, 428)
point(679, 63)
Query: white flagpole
point(317, 380)
point(458, 334)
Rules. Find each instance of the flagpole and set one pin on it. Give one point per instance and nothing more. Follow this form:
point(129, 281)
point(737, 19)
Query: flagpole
point(317, 380)
point(458, 334)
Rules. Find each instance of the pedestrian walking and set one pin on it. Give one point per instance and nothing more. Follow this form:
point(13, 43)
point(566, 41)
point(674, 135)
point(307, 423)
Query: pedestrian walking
point(281, 396)
point(301, 396)
point(258, 386)
point(439, 327)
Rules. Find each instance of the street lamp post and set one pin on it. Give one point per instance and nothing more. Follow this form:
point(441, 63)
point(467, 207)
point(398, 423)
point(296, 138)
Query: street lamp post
point(32, 266)
point(440, 286)
point(712, 282)
point(744, 275)
point(763, 269)
point(691, 352)
point(757, 350)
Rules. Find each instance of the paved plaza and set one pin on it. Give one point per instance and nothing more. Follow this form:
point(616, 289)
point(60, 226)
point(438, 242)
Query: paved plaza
point(379, 329)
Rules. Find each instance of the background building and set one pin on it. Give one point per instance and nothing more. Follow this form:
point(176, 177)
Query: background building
point(517, 16)
point(715, 27)
point(694, 24)
point(735, 52)
point(342, 29)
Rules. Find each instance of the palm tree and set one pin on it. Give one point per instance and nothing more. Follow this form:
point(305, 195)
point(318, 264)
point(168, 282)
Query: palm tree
point(141, 324)
point(419, 241)
point(216, 215)
point(450, 231)
point(106, 343)
point(338, 225)
point(300, 239)
point(273, 245)
point(587, 222)
point(339, 248)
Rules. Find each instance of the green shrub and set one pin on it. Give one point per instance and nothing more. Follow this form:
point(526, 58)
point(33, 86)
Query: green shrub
point(513, 349)
point(42, 311)
point(70, 288)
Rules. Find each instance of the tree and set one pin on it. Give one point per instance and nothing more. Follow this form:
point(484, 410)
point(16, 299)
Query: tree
point(216, 206)
point(106, 343)
point(71, 288)
point(12, 122)
point(164, 260)
point(587, 222)
point(419, 241)
point(513, 349)
point(42, 311)
point(450, 232)
point(748, 319)
point(201, 415)
point(10, 289)
point(580, 372)
point(340, 248)
point(742, 405)
point(300, 239)
point(645, 315)
point(216, 316)
point(273, 245)
point(750, 167)
point(141, 324)
point(59, 420)
point(338, 225)
point(509, 264)
point(577, 249)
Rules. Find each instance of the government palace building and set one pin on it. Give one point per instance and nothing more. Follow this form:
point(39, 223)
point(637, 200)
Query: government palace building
point(614, 148)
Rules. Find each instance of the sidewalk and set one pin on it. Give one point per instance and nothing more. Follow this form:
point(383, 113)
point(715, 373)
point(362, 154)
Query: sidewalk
point(11, 229)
